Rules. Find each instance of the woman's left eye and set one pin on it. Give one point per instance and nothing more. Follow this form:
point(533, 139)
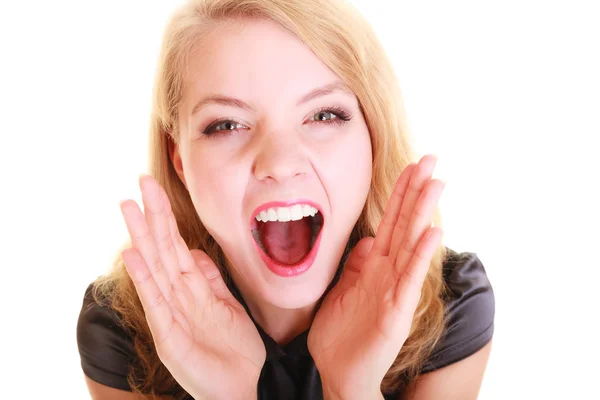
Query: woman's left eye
point(322, 116)
point(331, 115)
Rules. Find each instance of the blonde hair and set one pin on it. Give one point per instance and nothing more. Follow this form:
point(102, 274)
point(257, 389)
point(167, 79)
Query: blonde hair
point(346, 43)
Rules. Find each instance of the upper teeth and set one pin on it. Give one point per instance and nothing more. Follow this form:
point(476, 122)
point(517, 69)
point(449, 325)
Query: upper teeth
point(284, 214)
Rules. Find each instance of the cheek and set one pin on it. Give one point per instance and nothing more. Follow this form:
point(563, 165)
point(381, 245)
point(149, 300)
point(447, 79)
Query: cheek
point(216, 188)
point(348, 169)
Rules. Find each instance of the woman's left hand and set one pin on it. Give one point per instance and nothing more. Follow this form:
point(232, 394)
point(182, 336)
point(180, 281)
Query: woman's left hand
point(365, 319)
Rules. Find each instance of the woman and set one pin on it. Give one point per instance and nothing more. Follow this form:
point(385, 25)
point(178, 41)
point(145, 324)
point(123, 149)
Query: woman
point(280, 156)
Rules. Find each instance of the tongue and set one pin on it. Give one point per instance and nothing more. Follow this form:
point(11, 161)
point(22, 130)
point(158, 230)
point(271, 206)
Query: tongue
point(287, 242)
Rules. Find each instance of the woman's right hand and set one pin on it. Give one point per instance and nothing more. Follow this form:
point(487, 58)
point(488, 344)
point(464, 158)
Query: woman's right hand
point(202, 334)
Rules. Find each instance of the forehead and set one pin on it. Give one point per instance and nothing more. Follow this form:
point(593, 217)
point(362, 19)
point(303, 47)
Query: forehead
point(254, 59)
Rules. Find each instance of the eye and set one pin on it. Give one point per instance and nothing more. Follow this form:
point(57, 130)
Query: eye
point(330, 115)
point(323, 116)
point(222, 126)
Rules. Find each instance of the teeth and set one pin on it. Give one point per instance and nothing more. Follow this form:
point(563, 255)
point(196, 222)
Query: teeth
point(307, 210)
point(296, 212)
point(285, 214)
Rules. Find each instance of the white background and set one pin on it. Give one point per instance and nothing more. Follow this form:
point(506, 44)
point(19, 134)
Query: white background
point(506, 93)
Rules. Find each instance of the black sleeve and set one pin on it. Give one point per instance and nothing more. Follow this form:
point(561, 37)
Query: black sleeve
point(470, 311)
point(105, 347)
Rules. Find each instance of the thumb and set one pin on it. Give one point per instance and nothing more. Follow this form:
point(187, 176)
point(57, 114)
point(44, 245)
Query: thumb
point(355, 262)
point(209, 269)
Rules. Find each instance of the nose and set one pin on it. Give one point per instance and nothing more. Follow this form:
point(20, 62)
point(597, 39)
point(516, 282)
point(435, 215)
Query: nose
point(280, 158)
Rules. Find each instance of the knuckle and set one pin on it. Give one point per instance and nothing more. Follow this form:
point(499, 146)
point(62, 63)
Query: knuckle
point(408, 245)
point(419, 257)
point(403, 220)
point(410, 277)
point(165, 243)
point(157, 264)
point(386, 222)
point(142, 237)
point(212, 274)
point(420, 212)
point(398, 191)
point(158, 300)
point(177, 283)
point(141, 278)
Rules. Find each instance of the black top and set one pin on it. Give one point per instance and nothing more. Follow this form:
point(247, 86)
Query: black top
point(289, 372)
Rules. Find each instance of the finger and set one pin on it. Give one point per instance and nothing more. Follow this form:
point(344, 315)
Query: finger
point(155, 211)
point(359, 254)
point(197, 285)
point(211, 272)
point(186, 262)
point(386, 227)
point(418, 179)
point(408, 291)
point(353, 266)
point(156, 308)
point(142, 240)
point(420, 221)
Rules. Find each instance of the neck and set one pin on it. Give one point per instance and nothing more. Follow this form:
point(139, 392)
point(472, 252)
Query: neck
point(281, 324)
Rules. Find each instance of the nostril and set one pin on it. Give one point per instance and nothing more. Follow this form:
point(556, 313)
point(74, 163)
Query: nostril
point(276, 164)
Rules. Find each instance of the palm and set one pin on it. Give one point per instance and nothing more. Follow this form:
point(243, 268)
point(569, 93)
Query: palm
point(366, 318)
point(201, 332)
point(209, 334)
point(364, 327)
point(221, 327)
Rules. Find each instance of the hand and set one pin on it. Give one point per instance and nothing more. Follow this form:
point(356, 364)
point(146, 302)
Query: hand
point(202, 334)
point(365, 319)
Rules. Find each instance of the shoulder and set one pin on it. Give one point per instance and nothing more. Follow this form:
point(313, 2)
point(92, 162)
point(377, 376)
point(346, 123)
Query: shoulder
point(105, 347)
point(470, 309)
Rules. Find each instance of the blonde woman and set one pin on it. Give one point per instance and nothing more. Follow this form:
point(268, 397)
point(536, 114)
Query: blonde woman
point(290, 245)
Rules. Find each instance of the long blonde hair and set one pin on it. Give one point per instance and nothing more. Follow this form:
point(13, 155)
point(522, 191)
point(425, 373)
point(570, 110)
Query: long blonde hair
point(338, 34)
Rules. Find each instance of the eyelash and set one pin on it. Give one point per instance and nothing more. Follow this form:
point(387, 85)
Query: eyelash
point(342, 116)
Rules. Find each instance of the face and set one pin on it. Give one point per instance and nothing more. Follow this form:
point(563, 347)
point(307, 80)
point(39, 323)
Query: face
point(256, 136)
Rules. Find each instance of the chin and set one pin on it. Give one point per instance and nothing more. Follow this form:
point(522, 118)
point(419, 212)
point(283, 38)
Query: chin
point(298, 295)
point(301, 284)
point(289, 259)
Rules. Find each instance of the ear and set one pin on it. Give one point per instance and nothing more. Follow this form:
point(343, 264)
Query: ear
point(175, 157)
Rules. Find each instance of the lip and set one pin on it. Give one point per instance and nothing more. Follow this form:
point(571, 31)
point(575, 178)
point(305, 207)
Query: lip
point(275, 267)
point(283, 203)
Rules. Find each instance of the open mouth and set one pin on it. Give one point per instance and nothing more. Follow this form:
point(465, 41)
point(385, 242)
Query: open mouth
point(286, 235)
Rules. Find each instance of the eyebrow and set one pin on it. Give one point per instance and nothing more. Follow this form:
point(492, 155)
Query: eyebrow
point(337, 86)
